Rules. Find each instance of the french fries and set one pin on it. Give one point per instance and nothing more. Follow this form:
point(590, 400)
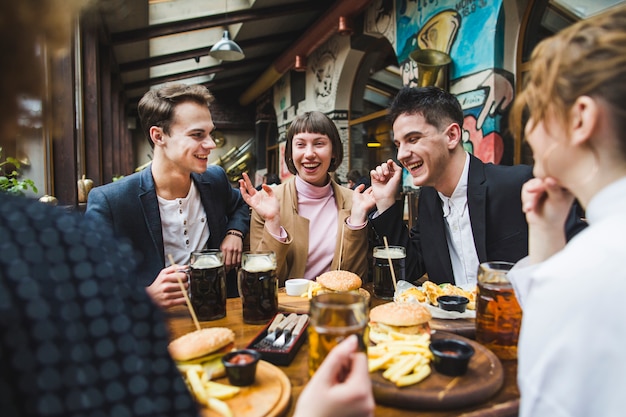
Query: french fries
point(209, 393)
point(404, 358)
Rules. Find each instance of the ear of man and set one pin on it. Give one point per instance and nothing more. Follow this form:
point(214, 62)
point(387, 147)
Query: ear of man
point(156, 135)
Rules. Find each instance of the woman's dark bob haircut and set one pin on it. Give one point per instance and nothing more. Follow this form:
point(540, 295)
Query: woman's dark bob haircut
point(314, 122)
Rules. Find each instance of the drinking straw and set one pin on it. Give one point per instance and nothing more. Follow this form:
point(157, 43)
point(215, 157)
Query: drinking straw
point(341, 247)
point(393, 274)
point(184, 291)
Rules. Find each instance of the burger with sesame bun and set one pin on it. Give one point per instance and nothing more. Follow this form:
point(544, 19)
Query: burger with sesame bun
point(406, 318)
point(205, 347)
point(337, 281)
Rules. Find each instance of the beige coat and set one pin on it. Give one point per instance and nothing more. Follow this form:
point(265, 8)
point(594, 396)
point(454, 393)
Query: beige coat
point(292, 254)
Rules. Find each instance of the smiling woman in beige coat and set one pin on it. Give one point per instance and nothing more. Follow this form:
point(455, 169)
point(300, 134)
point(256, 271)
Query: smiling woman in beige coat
point(312, 223)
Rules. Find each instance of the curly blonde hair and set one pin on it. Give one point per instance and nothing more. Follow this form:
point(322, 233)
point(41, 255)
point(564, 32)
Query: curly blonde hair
point(585, 59)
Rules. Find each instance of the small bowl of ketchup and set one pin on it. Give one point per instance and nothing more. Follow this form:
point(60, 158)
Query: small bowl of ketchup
point(451, 356)
point(240, 366)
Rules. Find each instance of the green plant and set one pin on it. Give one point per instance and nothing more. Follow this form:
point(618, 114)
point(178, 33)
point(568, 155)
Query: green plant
point(10, 177)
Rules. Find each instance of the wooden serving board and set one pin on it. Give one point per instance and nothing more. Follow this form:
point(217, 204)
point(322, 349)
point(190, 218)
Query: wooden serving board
point(269, 396)
point(483, 379)
point(292, 304)
point(463, 327)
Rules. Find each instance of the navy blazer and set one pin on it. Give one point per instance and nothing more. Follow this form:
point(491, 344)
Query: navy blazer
point(495, 209)
point(130, 207)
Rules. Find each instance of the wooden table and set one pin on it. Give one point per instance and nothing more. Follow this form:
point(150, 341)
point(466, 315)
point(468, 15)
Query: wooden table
point(505, 403)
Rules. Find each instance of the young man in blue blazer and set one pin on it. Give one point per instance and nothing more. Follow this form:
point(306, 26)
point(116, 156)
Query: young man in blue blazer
point(177, 204)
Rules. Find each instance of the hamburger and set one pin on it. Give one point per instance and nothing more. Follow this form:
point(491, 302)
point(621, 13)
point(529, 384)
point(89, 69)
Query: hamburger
point(405, 318)
point(205, 347)
point(337, 281)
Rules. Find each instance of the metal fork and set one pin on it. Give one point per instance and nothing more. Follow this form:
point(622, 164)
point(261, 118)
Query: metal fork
point(272, 334)
point(280, 342)
point(302, 321)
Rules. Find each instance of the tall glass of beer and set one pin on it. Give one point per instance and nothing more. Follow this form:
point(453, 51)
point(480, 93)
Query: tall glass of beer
point(334, 317)
point(207, 284)
point(498, 314)
point(383, 281)
point(258, 286)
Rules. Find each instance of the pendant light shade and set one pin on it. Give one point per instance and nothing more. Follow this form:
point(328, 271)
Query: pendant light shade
point(226, 49)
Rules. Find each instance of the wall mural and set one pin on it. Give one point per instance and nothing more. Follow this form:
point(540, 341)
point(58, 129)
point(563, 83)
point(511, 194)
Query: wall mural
point(466, 30)
point(380, 18)
point(323, 65)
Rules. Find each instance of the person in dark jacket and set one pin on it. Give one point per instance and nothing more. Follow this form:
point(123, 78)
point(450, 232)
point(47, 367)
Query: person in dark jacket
point(176, 205)
point(469, 212)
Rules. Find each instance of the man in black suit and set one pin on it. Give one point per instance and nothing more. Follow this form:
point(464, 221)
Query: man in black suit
point(469, 212)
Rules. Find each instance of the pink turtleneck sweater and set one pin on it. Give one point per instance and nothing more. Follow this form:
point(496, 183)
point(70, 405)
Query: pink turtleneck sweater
point(318, 205)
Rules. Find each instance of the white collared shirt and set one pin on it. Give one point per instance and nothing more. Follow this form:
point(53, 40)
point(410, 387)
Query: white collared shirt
point(459, 232)
point(184, 226)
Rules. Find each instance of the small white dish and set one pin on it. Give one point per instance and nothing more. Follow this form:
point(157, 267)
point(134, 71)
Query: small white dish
point(297, 286)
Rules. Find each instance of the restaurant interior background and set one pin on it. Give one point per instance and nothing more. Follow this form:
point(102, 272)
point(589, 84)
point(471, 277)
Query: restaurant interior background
point(346, 58)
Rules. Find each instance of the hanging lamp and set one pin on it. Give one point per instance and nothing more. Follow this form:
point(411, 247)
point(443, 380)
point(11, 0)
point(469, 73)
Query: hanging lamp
point(227, 49)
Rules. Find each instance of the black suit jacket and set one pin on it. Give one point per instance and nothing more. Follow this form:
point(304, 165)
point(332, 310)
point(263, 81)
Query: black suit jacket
point(498, 222)
point(130, 207)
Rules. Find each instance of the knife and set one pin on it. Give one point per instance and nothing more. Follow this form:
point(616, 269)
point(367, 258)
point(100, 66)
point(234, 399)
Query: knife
point(302, 321)
point(280, 342)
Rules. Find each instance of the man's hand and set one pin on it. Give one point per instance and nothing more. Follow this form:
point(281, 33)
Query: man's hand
point(165, 290)
point(231, 247)
point(386, 179)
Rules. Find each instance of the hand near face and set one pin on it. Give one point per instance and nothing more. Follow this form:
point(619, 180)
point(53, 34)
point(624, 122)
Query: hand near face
point(547, 206)
point(165, 290)
point(386, 179)
point(263, 202)
point(341, 385)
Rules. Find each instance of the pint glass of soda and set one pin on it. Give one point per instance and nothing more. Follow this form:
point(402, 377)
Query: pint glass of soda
point(498, 314)
point(334, 317)
point(207, 284)
point(383, 281)
point(258, 286)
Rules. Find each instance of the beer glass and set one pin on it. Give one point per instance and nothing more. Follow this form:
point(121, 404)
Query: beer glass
point(334, 317)
point(207, 284)
point(258, 286)
point(498, 314)
point(383, 282)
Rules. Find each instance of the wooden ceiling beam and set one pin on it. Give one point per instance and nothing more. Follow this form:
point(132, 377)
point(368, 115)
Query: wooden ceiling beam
point(217, 20)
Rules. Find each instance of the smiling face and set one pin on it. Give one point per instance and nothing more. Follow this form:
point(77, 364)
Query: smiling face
point(188, 143)
point(312, 154)
point(423, 150)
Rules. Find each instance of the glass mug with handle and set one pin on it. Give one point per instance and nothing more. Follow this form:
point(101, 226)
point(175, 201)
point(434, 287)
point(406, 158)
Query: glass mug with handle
point(498, 314)
point(207, 284)
point(334, 317)
point(258, 286)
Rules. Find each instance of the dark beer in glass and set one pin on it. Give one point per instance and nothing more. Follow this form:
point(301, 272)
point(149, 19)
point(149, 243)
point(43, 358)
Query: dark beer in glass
point(207, 285)
point(258, 286)
point(383, 281)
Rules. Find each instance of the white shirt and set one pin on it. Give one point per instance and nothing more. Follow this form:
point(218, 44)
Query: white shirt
point(572, 343)
point(184, 226)
point(459, 232)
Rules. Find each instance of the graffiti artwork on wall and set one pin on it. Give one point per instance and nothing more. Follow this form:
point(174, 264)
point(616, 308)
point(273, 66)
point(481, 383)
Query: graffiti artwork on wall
point(466, 30)
point(380, 18)
point(485, 96)
point(323, 65)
